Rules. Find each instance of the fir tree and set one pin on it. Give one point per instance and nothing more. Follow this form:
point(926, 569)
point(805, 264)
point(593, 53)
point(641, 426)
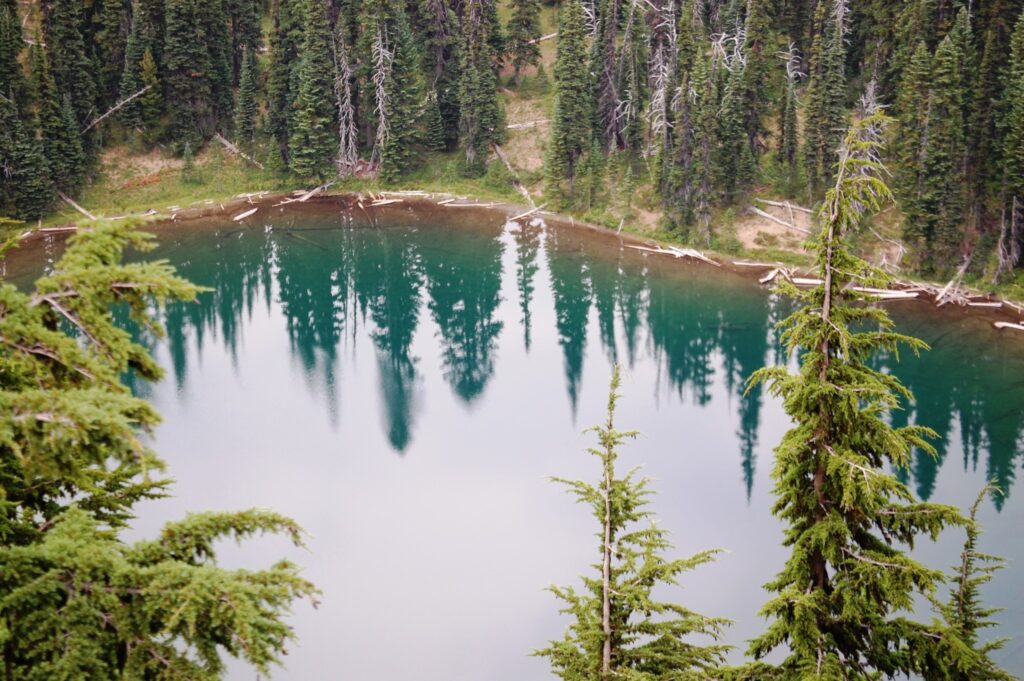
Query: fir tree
point(760, 54)
point(911, 140)
point(404, 100)
point(313, 142)
point(964, 611)
point(110, 50)
point(187, 64)
point(70, 63)
point(523, 33)
point(826, 113)
point(618, 628)
point(734, 162)
point(131, 76)
point(247, 108)
point(570, 129)
point(243, 18)
point(282, 79)
point(62, 143)
point(478, 88)
point(788, 134)
point(942, 199)
point(189, 172)
point(25, 189)
point(12, 77)
point(151, 101)
point(842, 596)
point(78, 601)
point(442, 31)
point(1012, 239)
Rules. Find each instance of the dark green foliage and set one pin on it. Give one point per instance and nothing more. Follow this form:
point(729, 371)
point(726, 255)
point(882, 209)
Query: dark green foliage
point(964, 612)
point(62, 144)
point(12, 77)
point(72, 69)
point(759, 51)
point(618, 628)
point(826, 96)
point(131, 76)
point(314, 137)
point(841, 599)
point(151, 101)
point(733, 160)
point(440, 27)
point(570, 127)
point(243, 17)
point(282, 79)
point(404, 100)
point(523, 32)
point(478, 88)
point(1012, 238)
point(110, 50)
point(25, 188)
point(189, 172)
point(247, 107)
point(78, 602)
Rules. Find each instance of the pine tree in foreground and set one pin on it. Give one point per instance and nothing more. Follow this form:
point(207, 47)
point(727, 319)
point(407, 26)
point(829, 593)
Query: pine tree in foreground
point(78, 602)
point(964, 611)
point(841, 603)
point(619, 630)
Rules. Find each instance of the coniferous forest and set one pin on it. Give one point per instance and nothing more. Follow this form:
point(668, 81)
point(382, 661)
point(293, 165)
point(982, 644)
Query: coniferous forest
point(897, 121)
point(697, 106)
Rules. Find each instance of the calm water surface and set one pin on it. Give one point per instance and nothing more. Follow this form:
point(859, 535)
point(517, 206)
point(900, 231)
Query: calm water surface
point(404, 389)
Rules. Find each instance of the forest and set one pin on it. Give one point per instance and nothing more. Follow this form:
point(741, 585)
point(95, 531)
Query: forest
point(695, 105)
point(857, 110)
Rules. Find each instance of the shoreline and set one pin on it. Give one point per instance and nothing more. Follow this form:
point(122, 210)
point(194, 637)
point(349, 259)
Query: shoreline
point(1003, 314)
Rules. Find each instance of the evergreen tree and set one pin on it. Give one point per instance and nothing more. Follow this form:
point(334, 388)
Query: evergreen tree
point(618, 628)
point(842, 597)
point(759, 51)
point(289, 17)
point(478, 88)
point(1012, 239)
point(248, 107)
point(62, 143)
point(189, 173)
point(943, 199)
point(243, 17)
point(25, 188)
point(313, 142)
point(110, 50)
point(911, 139)
point(570, 129)
point(187, 65)
point(523, 33)
point(788, 134)
point(151, 101)
point(441, 29)
point(964, 612)
point(404, 100)
point(131, 76)
point(78, 601)
point(734, 162)
point(72, 69)
point(826, 112)
point(12, 77)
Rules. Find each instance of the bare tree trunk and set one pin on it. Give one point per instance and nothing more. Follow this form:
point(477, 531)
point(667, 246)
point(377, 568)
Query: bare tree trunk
point(347, 135)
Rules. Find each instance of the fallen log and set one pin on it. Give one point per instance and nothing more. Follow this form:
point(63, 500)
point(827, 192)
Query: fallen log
point(71, 202)
point(527, 213)
point(769, 277)
point(242, 216)
point(528, 124)
point(1008, 325)
point(515, 176)
point(750, 263)
point(785, 204)
point(115, 108)
point(236, 151)
point(541, 39)
point(769, 216)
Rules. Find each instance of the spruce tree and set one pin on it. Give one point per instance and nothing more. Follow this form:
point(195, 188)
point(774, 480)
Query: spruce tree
point(72, 69)
point(282, 79)
point(964, 612)
point(62, 143)
point(841, 599)
point(247, 107)
point(759, 51)
point(912, 134)
point(78, 601)
point(25, 188)
point(570, 126)
point(151, 101)
point(313, 141)
point(788, 133)
point(404, 99)
point(618, 628)
point(12, 77)
point(110, 50)
point(1013, 151)
point(187, 66)
point(523, 32)
point(441, 29)
point(131, 76)
point(826, 112)
point(478, 88)
point(943, 196)
point(734, 161)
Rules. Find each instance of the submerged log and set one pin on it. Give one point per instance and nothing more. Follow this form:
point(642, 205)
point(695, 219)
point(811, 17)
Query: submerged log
point(71, 202)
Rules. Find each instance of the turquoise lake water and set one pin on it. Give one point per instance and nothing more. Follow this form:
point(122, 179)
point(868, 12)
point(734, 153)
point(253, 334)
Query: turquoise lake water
point(405, 388)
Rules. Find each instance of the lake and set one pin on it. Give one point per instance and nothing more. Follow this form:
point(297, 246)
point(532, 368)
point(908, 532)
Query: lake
point(405, 383)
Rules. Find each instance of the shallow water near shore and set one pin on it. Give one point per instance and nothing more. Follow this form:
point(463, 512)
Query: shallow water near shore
point(404, 384)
